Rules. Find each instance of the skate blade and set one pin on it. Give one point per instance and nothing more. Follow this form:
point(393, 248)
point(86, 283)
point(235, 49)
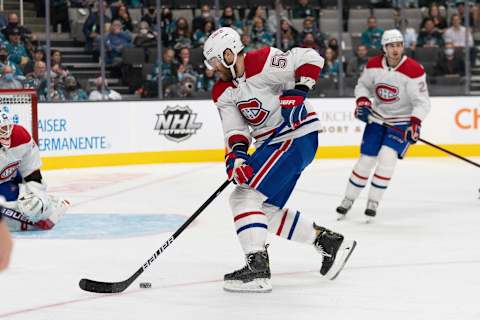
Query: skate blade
point(341, 217)
point(343, 254)
point(256, 286)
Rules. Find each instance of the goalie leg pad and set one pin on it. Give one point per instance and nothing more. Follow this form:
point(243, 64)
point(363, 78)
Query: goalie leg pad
point(251, 223)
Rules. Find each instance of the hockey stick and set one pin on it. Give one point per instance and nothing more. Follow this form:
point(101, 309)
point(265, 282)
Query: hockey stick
point(115, 287)
point(388, 125)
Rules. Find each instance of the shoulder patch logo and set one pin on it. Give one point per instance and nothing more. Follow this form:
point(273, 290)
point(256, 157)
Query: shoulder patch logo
point(9, 171)
point(387, 93)
point(252, 111)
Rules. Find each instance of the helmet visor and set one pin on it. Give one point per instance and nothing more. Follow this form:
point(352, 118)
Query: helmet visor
point(212, 63)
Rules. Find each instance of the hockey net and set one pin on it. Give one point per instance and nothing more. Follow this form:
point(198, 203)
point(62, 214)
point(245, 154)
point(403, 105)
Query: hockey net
point(22, 104)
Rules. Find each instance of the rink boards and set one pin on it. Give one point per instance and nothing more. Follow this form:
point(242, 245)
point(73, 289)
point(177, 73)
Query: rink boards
point(141, 132)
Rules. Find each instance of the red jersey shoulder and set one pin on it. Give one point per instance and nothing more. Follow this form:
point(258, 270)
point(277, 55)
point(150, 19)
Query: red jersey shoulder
point(411, 68)
point(19, 136)
point(219, 88)
point(255, 61)
point(375, 62)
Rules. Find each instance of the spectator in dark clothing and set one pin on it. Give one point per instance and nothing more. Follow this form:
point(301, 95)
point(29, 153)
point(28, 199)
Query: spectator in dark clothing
point(12, 23)
point(38, 55)
point(206, 80)
point(320, 37)
point(169, 68)
point(358, 63)
point(91, 28)
point(429, 36)
point(145, 37)
point(181, 36)
point(151, 16)
point(260, 36)
point(59, 15)
point(124, 17)
point(17, 52)
point(200, 36)
point(199, 21)
point(73, 92)
point(303, 9)
point(373, 35)
point(439, 22)
point(309, 42)
point(449, 63)
point(460, 4)
point(333, 44)
point(228, 19)
point(167, 25)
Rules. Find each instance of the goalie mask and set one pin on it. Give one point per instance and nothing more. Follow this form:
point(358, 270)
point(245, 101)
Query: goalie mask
point(6, 127)
point(216, 45)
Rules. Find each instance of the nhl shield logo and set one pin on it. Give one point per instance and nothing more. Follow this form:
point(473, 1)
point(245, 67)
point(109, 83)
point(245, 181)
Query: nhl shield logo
point(252, 111)
point(177, 123)
point(386, 93)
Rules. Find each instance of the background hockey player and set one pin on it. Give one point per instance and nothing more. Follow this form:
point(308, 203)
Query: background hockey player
point(25, 203)
point(393, 88)
point(257, 92)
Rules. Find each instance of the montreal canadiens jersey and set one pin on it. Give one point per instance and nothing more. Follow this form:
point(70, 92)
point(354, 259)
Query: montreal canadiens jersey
point(23, 155)
point(250, 106)
point(396, 93)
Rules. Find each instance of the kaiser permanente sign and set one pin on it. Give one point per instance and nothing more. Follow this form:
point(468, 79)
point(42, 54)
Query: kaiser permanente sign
point(141, 132)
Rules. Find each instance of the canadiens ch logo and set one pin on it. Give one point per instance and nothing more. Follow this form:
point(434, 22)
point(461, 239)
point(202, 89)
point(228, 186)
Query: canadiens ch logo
point(387, 93)
point(177, 123)
point(9, 171)
point(252, 111)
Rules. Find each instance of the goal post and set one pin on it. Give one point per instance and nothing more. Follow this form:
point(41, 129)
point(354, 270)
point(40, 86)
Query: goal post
point(23, 106)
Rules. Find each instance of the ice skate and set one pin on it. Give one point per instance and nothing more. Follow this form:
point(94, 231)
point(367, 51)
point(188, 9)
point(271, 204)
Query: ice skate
point(371, 210)
point(254, 277)
point(334, 249)
point(343, 208)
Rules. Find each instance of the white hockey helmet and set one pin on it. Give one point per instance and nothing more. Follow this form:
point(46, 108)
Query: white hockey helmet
point(215, 46)
point(6, 127)
point(391, 36)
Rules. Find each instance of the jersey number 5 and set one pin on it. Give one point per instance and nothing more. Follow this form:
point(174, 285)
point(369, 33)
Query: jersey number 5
point(279, 61)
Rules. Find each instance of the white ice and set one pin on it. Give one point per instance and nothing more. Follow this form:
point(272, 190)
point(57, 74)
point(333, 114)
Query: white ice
point(419, 260)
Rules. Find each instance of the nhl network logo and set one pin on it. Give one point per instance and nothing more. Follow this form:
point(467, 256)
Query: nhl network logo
point(177, 123)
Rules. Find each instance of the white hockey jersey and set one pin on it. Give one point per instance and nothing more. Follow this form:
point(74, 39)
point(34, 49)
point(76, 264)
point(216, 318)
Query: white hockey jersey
point(250, 106)
point(23, 155)
point(396, 93)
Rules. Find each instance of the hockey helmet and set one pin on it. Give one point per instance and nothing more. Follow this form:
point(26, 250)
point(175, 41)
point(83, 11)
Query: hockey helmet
point(215, 46)
point(6, 127)
point(391, 36)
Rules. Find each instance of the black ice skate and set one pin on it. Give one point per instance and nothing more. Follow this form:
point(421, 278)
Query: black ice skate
point(344, 207)
point(254, 277)
point(334, 249)
point(371, 210)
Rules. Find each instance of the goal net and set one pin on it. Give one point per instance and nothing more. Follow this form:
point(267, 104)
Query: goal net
point(22, 104)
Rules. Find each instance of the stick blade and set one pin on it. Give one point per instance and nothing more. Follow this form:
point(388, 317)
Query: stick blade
point(102, 287)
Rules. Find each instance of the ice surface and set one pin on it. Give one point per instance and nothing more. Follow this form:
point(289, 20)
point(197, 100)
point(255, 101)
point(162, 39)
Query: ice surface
point(419, 260)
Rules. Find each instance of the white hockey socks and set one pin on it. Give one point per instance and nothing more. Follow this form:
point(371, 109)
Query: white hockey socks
point(359, 177)
point(250, 221)
point(289, 224)
point(387, 159)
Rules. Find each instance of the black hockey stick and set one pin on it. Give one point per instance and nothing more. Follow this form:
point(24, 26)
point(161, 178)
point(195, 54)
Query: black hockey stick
point(388, 125)
point(115, 287)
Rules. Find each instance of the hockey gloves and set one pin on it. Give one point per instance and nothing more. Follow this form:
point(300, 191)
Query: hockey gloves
point(363, 109)
point(412, 133)
point(236, 167)
point(293, 108)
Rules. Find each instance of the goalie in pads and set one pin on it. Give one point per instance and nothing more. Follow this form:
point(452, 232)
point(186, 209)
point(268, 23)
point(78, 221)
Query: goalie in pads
point(24, 202)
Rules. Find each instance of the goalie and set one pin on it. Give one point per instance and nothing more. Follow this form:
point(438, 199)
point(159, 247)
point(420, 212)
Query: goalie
point(24, 202)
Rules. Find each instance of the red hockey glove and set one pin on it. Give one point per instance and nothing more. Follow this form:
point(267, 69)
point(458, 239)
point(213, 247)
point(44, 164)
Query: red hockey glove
point(237, 170)
point(412, 133)
point(363, 109)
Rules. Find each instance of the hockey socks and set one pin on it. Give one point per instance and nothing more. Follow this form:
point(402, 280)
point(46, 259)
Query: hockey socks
point(289, 224)
point(387, 159)
point(359, 177)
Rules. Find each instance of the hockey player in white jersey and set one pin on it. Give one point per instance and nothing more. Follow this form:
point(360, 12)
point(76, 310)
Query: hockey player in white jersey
point(392, 88)
point(258, 91)
point(25, 204)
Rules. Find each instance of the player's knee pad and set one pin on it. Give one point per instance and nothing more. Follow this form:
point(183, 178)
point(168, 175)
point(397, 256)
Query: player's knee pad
point(244, 199)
